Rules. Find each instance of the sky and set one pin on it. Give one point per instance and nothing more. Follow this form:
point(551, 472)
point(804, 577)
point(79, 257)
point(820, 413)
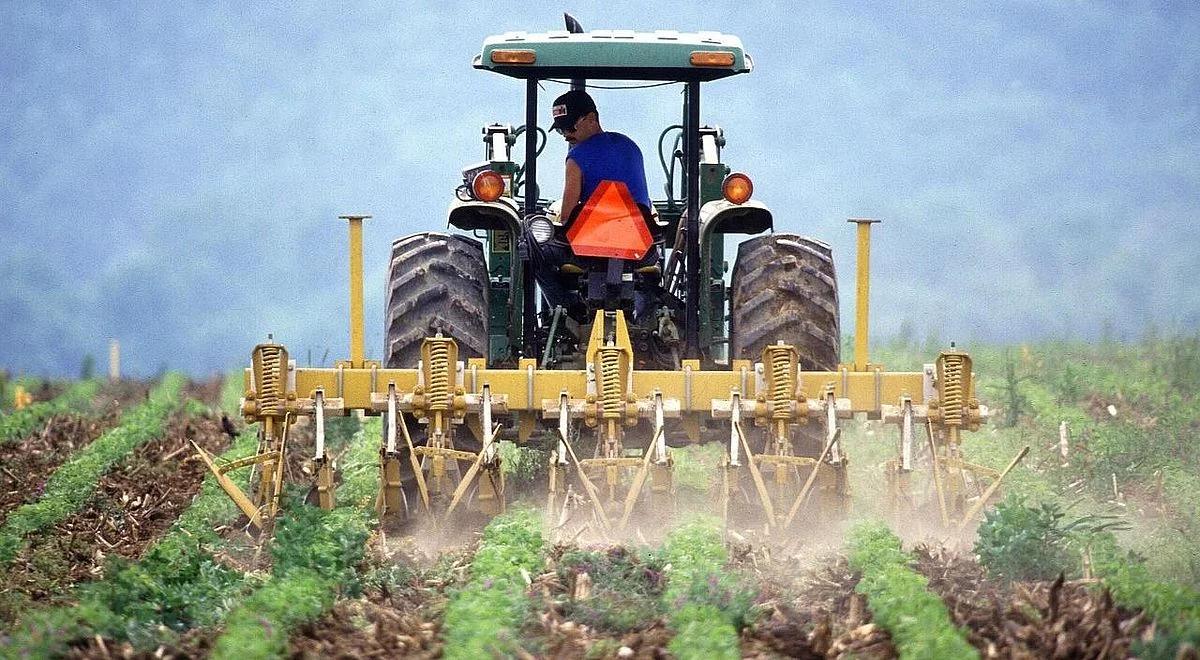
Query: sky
point(171, 173)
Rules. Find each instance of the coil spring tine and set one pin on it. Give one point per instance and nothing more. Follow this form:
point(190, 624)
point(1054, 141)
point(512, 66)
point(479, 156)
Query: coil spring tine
point(438, 388)
point(953, 396)
point(611, 396)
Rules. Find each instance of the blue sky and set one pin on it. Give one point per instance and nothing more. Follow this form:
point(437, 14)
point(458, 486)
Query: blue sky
point(170, 174)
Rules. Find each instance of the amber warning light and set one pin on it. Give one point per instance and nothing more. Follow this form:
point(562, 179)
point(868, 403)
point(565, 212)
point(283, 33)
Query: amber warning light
point(488, 186)
point(737, 188)
point(513, 57)
point(712, 58)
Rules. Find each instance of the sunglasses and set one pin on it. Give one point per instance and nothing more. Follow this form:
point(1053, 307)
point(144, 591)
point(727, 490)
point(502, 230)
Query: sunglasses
point(571, 129)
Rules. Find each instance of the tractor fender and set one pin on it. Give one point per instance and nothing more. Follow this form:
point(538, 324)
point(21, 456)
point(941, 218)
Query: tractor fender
point(473, 214)
point(721, 216)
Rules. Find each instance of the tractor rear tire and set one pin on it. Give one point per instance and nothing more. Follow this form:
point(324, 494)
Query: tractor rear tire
point(436, 283)
point(785, 289)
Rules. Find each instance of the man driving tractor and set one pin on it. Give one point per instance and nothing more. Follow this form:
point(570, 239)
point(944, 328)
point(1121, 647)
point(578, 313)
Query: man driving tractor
point(594, 156)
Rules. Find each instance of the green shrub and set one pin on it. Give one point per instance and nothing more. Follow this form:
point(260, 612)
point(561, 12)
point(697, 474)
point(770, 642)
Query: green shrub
point(75, 481)
point(917, 619)
point(483, 617)
point(1017, 541)
point(522, 466)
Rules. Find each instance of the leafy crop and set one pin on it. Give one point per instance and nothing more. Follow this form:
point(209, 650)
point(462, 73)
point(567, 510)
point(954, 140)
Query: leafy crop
point(73, 483)
point(481, 617)
point(707, 603)
point(522, 466)
point(315, 554)
point(1174, 607)
point(1021, 542)
point(20, 423)
point(917, 619)
point(626, 588)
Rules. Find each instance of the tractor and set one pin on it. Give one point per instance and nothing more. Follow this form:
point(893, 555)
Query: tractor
point(667, 352)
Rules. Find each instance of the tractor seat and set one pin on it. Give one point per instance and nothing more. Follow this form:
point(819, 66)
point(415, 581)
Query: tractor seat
point(652, 269)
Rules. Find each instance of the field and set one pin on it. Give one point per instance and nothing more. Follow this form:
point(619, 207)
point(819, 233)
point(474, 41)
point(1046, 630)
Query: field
point(115, 543)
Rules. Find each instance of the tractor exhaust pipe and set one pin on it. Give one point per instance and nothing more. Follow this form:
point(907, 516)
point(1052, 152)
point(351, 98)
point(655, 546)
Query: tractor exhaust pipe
point(862, 302)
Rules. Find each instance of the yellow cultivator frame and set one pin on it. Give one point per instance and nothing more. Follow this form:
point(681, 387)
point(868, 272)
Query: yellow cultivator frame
point(448, 396)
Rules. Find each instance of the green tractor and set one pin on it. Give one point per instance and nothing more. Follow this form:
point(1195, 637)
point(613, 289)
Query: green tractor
point(480, 289)
point(483, 294)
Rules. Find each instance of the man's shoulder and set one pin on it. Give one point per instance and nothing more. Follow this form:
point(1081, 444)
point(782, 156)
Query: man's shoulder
point(621, 139)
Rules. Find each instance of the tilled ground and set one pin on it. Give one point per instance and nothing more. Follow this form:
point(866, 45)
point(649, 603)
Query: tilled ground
point(1031, 619)
point(133, 504)
point(26, 465)
point(811, 612)
point(388, 621)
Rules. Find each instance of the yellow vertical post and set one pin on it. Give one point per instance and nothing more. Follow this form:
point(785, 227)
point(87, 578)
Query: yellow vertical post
point(862, 302)
point(356, 290)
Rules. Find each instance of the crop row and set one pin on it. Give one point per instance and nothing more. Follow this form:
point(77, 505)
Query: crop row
point(707, 605)
point(20, 423)
point(483, 618)
point(1175, 608)
point(74, 482)
point(899, 599)
point(315, 554)
point(175, 586)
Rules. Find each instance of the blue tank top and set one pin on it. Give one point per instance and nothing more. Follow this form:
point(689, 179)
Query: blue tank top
point(610, 156)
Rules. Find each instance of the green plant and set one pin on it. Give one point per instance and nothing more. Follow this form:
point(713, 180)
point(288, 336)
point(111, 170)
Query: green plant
point(1175, 608)
point(20, 423)
point(917, 619)
point(707, 603)
point(315, 554)
point(1021, 542)
point(626, 588)
point(522, 466)
point(175, 586)
point(481, 618)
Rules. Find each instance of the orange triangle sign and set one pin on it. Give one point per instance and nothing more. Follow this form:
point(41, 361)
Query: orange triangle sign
point(610, 224)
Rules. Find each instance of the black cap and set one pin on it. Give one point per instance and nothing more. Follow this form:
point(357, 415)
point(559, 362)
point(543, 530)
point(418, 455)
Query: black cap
point(569, 107)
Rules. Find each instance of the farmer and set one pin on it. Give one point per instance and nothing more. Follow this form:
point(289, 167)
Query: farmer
point(594, 155)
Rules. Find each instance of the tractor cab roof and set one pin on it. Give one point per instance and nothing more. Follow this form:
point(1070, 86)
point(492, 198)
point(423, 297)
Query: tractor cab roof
point(615, 55)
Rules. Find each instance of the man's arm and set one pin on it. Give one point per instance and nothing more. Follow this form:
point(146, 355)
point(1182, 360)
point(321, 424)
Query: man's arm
point(571, 190)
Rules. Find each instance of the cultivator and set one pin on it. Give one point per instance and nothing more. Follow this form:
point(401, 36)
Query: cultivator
point(759, 408)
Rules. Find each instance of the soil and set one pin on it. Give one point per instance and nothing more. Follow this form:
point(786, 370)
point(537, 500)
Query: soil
point(133, 504)
point(1055, 619)
point(26, 465)
point(402, 620)
point(811, 613)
